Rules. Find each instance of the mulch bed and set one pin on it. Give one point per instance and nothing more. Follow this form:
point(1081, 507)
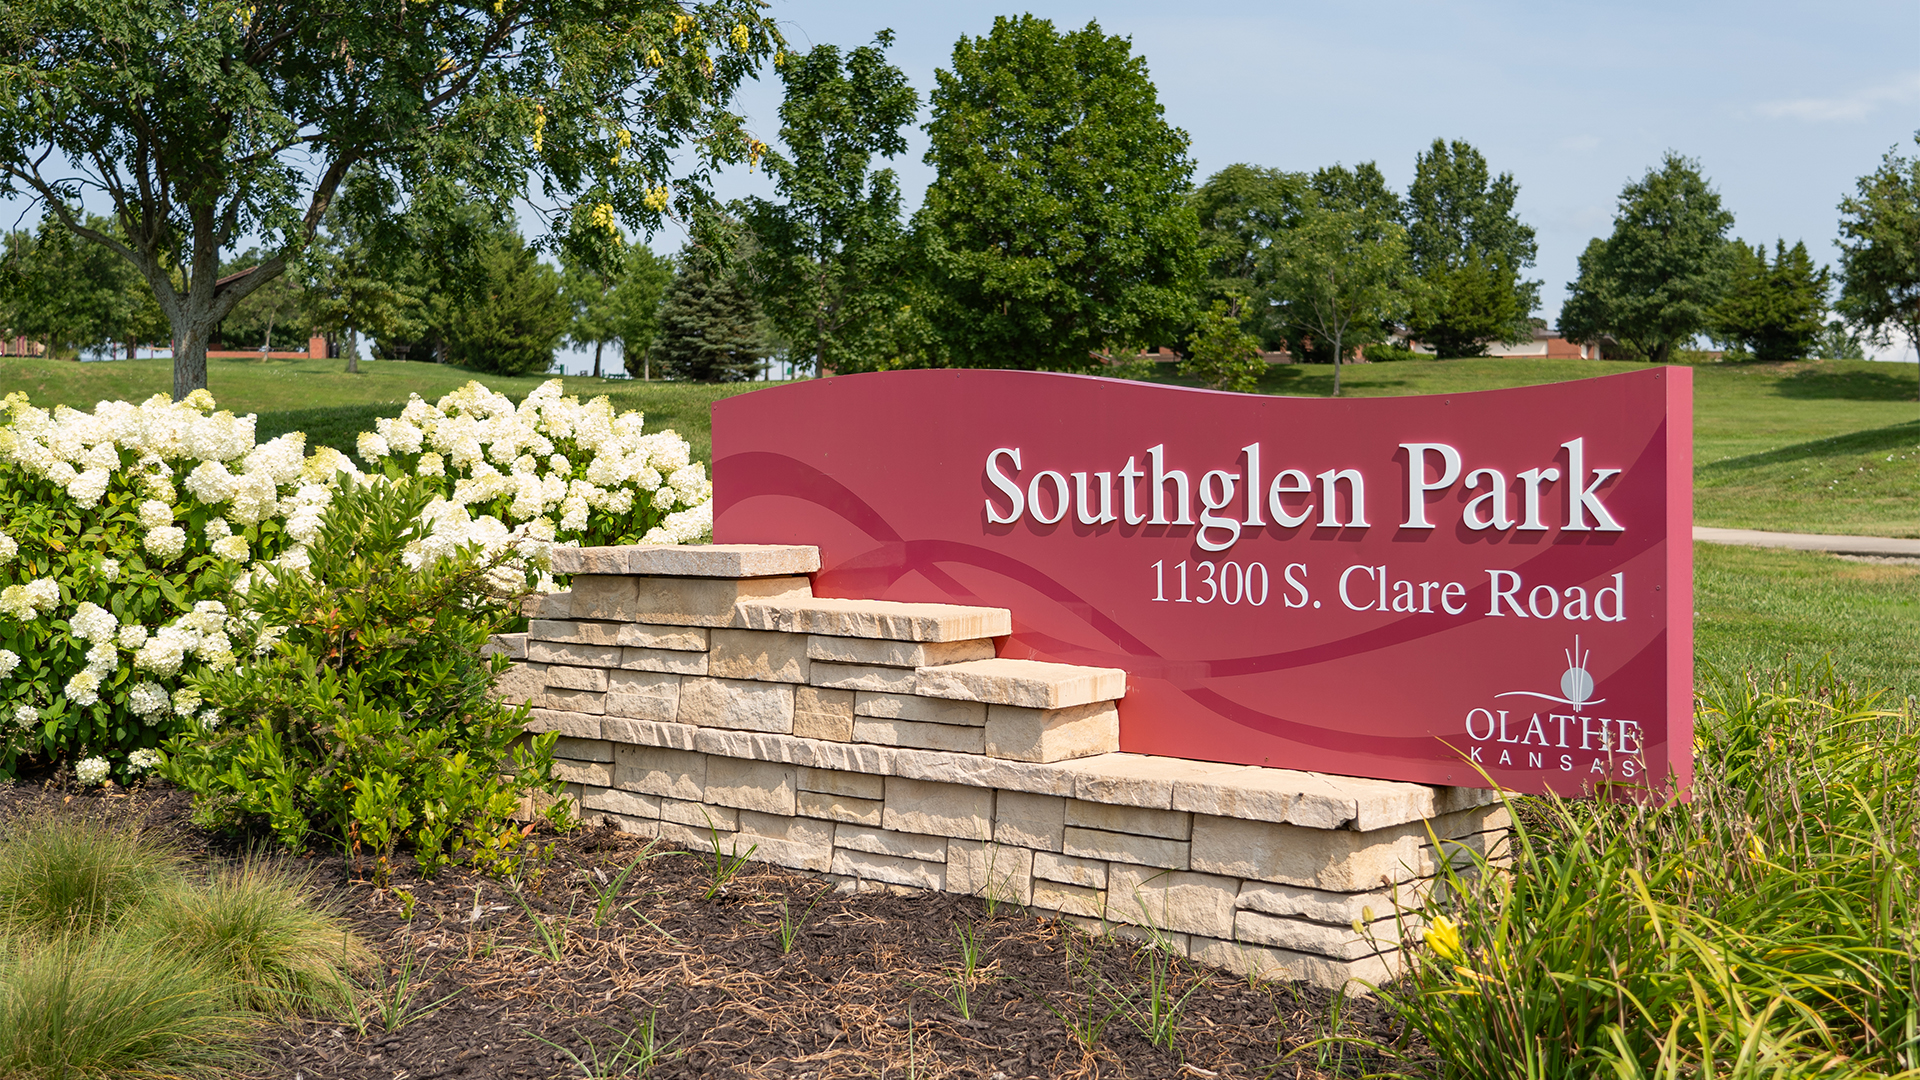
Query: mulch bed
point(868, 988)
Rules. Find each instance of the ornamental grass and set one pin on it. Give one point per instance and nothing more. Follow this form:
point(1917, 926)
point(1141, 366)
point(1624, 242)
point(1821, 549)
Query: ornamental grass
point(115, 962)
point(1767, 928)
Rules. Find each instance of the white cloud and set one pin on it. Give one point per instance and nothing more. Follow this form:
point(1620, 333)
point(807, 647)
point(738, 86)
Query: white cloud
point(1854, 106)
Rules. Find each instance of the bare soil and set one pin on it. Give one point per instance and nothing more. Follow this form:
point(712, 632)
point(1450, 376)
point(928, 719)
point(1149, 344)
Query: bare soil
point(536, 977)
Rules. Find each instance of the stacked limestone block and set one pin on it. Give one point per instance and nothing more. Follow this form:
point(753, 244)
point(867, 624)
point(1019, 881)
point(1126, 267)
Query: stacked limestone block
point(704, 695)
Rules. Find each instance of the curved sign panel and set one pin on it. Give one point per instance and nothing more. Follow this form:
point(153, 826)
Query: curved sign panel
point(1417, 588)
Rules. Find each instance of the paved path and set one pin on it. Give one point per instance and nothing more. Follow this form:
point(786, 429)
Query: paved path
point(1840, 545)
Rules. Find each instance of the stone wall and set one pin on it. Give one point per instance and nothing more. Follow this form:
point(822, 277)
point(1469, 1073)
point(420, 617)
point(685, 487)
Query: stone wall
point(704, 694)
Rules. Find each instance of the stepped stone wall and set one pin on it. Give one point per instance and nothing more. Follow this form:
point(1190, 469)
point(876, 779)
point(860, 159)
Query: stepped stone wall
point(704, 693)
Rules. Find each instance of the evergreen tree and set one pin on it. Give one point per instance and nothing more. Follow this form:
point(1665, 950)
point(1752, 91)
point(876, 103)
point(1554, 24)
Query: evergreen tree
point(1773, 312)
point(710, 328)
point(511, 317)
point(1467, 248)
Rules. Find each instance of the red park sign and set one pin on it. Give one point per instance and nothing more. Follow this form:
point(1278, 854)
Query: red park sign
point(1407, 588)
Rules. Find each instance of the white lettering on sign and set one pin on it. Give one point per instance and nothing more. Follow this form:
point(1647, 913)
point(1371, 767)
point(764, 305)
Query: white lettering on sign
point(1231, 501)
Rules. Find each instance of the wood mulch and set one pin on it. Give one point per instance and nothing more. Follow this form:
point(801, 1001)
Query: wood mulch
point(480, 979)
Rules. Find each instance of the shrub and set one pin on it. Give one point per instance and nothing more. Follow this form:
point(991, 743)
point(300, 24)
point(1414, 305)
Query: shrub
point(1221, 354)
point(129, 537)
point(1381, 353)
point(1768, 927)
point(119, 533)
point(368, 719)
point(569, 472)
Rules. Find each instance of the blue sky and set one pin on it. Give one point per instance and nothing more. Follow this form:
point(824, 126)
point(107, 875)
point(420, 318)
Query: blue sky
point(1783, 105)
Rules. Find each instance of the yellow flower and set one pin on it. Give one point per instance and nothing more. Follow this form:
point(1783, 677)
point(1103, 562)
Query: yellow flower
point(1443, 937)
point(741, 39)
point(779, 58)
point(682, 23)
point(657, 198)
point(653, 58)
point(539, 126)
point(1756, 850)
point(623, 137)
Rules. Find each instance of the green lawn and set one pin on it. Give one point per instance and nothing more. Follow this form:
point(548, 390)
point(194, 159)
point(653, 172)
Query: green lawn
point(1756, 607)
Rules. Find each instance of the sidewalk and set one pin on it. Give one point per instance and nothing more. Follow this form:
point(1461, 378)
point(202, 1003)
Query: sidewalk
point(1839, 545)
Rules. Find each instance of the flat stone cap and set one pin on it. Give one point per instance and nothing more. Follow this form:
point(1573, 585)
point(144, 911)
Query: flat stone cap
point(890, 620)
point(1029, 684)
point(689, 560)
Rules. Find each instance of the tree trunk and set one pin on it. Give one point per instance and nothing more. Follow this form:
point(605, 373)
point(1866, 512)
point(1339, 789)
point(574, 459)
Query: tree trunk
point(1336, 365)
point(190, 356)
point(353, 351)
point(597, 346)
point(646, 366)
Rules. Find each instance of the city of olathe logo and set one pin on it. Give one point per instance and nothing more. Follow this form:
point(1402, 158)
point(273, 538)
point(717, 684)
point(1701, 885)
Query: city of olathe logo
point(1576, 684)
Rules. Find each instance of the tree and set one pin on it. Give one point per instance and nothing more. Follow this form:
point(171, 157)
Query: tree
point(1242, 209)
point(1467, 248)
point(1773, 312)
point(1057, 227)
point(1839, 342)
point(1337, 275)
point(203, 124)
point(616, 306)
point(1880, 250)
point(636, 308)
point(1221, 353)
point(1653, 284)
point(709, 325)
point(71, 294)
point(828, 257)
point(512, 319)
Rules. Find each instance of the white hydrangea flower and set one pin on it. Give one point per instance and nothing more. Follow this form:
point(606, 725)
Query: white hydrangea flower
point(31, 600)
point(132, 636)
point(431, 464)
point(26, 716)
point(143, 760)
point(165, 543)
point(91, 771)
point(210, 482)
point(84, 688)
point(110, 569)
point(185, 701)
point(217, 528)
point(148, 699)
point(155, 514)
point(210, 718)
point(8, 661)
point(370, 446)
point(231, 548)
point(162, 654)
point(8, 548)
point(93, 623)
point(103, 658)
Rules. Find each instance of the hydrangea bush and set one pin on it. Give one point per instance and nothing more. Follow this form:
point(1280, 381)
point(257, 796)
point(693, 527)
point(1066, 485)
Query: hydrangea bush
point(122, 532)
point(129, 537)
point(577, 474)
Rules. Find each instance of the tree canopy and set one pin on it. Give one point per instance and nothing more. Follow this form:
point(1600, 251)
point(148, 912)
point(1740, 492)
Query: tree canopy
point(1880, 250)
point(206, 124)
point(1057, 228)
point(1653, 284)
point(1468, 248)
point(828, 255)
